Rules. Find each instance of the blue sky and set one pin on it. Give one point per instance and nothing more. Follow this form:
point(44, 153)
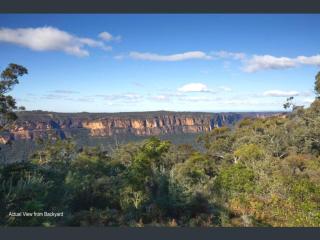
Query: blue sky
point(149, 62)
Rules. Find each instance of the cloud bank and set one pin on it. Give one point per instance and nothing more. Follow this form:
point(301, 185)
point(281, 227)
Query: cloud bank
point(232, 55)
point(265, 62)
point(106, 36)
point(279, 93)
point(50, 39)
point(194, 87)
point(169, 58)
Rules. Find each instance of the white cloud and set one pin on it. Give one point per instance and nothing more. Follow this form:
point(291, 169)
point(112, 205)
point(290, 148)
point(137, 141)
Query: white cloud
point(313, 60)
point(161, 98)
point(93, 43)
point(169, 58)
point(264, 62)
point(64, 91)
point(123, 97)
point(251, 64)
point(279, 93)
point(50, 39)
point(106, 36)
point(226, 54)
point(257, 63)
point(194, 87)
point(200, 87)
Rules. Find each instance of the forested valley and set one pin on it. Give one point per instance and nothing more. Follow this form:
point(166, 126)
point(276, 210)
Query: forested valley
point(262, 172)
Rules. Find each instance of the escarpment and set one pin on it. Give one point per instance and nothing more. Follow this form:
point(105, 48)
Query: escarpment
point(37, 124)
point(152, 126)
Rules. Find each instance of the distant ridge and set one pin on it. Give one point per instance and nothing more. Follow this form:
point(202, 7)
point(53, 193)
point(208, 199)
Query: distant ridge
point(32, 125)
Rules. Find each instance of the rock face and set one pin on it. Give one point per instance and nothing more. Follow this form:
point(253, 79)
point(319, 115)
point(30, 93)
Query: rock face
point(38, 124)
point(156, 125)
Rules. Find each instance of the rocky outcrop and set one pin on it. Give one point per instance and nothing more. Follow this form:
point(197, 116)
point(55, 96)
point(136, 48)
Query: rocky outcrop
point(33, 125)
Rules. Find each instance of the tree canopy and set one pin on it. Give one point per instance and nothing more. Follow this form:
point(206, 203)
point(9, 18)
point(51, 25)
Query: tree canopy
point(8, 79)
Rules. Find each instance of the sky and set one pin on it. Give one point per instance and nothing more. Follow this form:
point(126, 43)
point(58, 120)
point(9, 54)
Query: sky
point(151, 62)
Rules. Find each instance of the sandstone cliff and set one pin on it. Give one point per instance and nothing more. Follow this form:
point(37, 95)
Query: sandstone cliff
point(38, 124)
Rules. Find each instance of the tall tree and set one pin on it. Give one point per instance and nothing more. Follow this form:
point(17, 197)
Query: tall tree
point(317, 85)
point(8, 79)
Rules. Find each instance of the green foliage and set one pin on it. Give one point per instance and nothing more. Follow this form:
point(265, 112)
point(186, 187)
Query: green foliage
point(8, 78)
point(196, 169)
point(236, 179)
point(249, 153)
point(22, 187)
point(214, 135)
